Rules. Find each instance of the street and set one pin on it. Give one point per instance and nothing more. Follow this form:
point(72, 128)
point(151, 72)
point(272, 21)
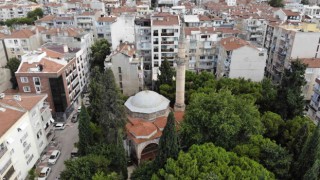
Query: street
point(67, 138)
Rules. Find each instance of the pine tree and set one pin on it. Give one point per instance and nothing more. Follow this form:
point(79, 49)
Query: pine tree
point(85, 134)
point(313, 172)
point(168, 145)
point(309, 155)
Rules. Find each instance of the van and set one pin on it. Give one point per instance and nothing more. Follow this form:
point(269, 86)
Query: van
point(74, 152)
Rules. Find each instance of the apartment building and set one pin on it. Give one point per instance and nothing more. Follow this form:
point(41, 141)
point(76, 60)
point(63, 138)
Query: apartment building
point(253, 29)
point(285, 43)
point(122, 30)
point(312, 73)
point(165, 32)
point(5, 73)
point(26, 129)
point(52, 71)
point(51, 21)
point(240, 59)
point(54, 8)
point(200, 44)
point(9, 11)
point(142, 33)
point(288, 16)
point(312, 11)
point(103, 25)
point(20, 41)
point(127, 68)
point(197, 21)
point(87, 21)
point(314, 106)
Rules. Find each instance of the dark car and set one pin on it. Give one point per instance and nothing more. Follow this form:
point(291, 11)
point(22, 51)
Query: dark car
point(74, 118)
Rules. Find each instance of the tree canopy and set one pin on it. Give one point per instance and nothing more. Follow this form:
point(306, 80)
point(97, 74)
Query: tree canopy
point(272, 156)
point(210, 162)
point(100, 49)
point(13, 64)
point(276, 3)
point(85, 133)
point(221, 118)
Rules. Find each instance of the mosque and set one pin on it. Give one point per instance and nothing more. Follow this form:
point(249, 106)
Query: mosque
point(147, 113)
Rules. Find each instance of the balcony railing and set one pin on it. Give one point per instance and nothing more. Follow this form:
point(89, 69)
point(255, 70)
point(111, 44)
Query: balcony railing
point(155, 34)
point(5, 167)
point(167, 50)
point(167, 42)
point(167, 34)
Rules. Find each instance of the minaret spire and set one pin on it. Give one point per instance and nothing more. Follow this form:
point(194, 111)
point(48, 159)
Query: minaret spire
point(181, 73)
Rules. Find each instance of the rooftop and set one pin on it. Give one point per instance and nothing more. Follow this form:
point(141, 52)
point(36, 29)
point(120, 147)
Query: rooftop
point(165, 19)
point(232, 43)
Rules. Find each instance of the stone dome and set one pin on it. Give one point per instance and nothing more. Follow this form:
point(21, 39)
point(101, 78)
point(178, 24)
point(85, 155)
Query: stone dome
point(147, 102)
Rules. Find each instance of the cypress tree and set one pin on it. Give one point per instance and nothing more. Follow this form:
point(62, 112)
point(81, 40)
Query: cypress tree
point(166, 74)
point(96, 91)
point(309, 155)
point(85, 134)
point(313, 172)
point(168, 145)
point(299, 141)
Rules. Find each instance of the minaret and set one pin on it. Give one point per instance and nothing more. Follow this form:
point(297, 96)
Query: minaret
point(181, 74)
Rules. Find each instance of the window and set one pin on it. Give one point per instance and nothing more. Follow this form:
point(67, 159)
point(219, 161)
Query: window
point(120, 78)
point(36, 81)
point(24, 79)
point(201, 57)
point(38, 89)
point(121, 85)
point(119, 70)
point(26, 89)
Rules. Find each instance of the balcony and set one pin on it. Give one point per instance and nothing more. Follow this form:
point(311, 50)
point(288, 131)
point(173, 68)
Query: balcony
point(167, 42)
point(155, 34)
point(167, 50)
point(5, 167)
point(155, 42)
point(167, 34)
point(3, 150)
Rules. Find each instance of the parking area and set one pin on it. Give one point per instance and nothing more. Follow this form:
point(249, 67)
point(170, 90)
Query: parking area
point(64, 142)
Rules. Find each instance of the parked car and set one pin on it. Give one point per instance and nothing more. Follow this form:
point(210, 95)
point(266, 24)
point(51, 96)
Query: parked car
point(74, 118)
point(54, 157)
point(74, 152)
point(59, 126)
point(44, 173)
point(79, 109)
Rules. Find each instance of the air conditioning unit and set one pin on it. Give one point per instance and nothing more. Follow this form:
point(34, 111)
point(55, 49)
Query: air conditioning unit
point(17, 97)
point(2, 95)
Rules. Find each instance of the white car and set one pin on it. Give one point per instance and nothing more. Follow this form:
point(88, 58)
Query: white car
point(79, 109)
point(44, 173)
point(54, 157)
point(60, 126)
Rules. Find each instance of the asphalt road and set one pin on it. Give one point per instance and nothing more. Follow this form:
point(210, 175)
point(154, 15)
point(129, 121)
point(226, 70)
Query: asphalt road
point(67, 138)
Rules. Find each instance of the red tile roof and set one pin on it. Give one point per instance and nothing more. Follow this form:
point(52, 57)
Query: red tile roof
point(232, 43)
point(311, 62)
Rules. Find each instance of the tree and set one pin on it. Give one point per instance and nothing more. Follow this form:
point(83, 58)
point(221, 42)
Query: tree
point(290, 99)
point(97, 89)
point(266, 152)
point(289, 131)
point(272, 123)
point(313, 172)
point(309, 156)
point(299, 140)
point(305, 2)
point(221, 118)
point(276, 3)
point(144, 171)
point(35, 14)
point(210, 162)
point(13, 64)
point(102, 176)
point(100, 49)
point(166, 74)
point(168, 144)
point(85, 133)
point(268, 96)
point(85, 167)
point(168, 91)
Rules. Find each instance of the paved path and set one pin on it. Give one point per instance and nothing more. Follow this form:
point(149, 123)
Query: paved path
point(67, 138)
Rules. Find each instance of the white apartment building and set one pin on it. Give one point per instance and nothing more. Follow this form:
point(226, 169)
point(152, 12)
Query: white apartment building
point(5, 73)
point(254, 28)
point(239, 59)
point(21, 41)
point(87, 21)
point(285, 43)
point(50, 21)
point(314, 106)
point(122, 30)
point(312, 73)
point(103, 25)
point(127, 69)
point(201, 46)
point(165, 32)
point(288, 16)
point(312, 11)
point(24, 133)
point(142, 27)
point(9, 11)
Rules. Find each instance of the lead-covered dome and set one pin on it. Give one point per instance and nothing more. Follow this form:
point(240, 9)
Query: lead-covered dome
point(147, 102)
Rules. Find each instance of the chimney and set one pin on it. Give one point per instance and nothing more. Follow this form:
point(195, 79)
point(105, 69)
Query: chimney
point(65, 48)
